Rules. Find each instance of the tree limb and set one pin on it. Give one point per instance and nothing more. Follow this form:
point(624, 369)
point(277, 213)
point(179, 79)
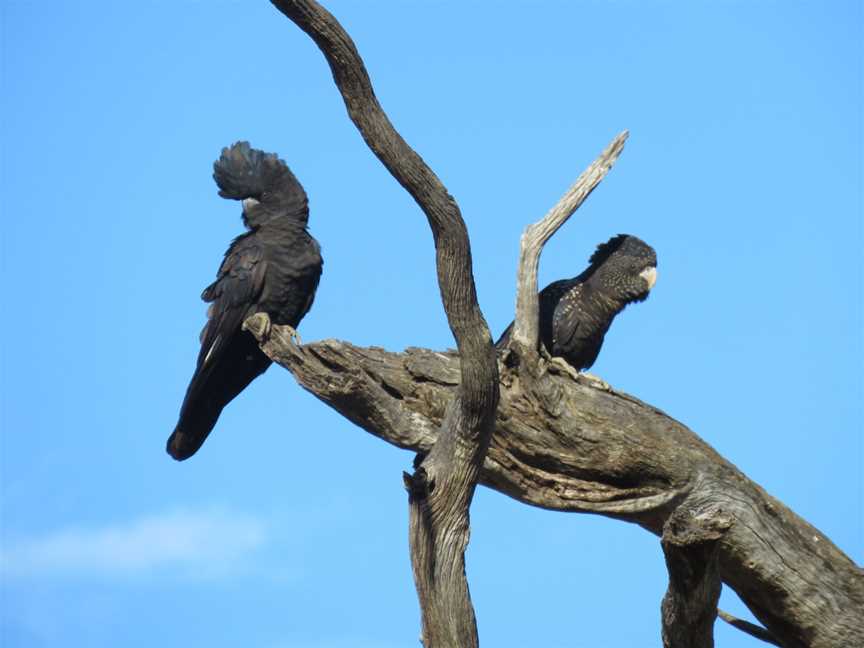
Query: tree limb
point(441, 489)
point(567, 446)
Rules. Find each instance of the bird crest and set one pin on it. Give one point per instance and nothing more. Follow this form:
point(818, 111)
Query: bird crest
point(607, 249)
point(262, 181)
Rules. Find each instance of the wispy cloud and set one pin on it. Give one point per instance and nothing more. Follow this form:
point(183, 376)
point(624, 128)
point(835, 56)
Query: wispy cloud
point(203, 543)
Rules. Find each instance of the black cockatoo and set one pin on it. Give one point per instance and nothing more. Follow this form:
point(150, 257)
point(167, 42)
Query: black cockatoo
point(576, 313)
point(273, 268)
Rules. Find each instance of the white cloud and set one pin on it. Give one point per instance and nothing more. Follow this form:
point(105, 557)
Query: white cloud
point(205, 543)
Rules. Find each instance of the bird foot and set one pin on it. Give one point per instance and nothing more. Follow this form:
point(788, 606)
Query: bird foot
point(259, 325)
point(561, 365)
point(585, 378)
point(594, 381)
point(293, 334)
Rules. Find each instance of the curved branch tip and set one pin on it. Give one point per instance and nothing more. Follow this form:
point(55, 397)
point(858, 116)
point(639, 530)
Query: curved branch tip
point(526, 329)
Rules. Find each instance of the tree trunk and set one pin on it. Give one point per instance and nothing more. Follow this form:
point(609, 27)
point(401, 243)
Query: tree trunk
point(689, 542)
point(441, 489)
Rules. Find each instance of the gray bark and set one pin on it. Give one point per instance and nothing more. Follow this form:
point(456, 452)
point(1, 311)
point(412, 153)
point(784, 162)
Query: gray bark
point(565, 444)
point(690, 539)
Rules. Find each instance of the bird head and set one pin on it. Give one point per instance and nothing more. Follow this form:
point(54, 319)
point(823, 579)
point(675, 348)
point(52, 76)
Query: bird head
point(624, 268)
point(263, 182)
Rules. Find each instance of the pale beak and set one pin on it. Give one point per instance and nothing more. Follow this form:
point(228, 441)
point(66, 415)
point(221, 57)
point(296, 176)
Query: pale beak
point(249, 203)
point(650, 276)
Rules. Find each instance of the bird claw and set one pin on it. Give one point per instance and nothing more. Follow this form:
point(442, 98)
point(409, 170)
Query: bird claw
point(259, 325)
point(293, 335)
point(594, 381)
point(584, 378)
point(562, 365)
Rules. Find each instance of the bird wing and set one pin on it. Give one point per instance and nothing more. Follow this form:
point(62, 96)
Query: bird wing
point(548, 298)
point(225, 365)
point(566, 320)
point(232, 298)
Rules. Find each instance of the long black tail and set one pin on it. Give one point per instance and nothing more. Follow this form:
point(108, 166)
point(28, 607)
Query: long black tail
point(192, 429)
point(210, 391)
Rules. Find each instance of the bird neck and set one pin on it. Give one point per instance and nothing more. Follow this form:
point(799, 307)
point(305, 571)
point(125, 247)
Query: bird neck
point(282, 223)
point(602, 301)
point(275, 212)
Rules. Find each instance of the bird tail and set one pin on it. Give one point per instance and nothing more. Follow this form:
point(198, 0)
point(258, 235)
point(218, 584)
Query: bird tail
point(205, 398)
point(191, 431)
point(243, 172)
point(214, 385)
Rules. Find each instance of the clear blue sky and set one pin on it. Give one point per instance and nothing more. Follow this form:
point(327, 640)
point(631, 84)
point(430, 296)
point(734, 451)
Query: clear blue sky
point(289, 528)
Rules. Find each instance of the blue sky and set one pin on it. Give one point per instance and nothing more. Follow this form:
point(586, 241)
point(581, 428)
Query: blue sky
point(743, 170)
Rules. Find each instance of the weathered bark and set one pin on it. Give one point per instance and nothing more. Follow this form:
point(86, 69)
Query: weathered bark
point(442, 487)
point(690, 539)
point(565, 445)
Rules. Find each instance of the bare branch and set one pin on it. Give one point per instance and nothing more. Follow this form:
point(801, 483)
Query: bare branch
point(526, 329)
point(442, 487)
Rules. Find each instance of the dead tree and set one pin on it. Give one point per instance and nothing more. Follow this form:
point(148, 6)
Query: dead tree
point(533, 429)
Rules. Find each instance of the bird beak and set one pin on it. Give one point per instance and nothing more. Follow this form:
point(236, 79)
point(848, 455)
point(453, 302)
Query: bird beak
point(249, 203)
point(650, 276)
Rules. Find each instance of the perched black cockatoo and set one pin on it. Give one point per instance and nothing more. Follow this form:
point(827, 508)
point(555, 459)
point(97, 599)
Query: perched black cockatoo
point(576, 313)
point(273, 268)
